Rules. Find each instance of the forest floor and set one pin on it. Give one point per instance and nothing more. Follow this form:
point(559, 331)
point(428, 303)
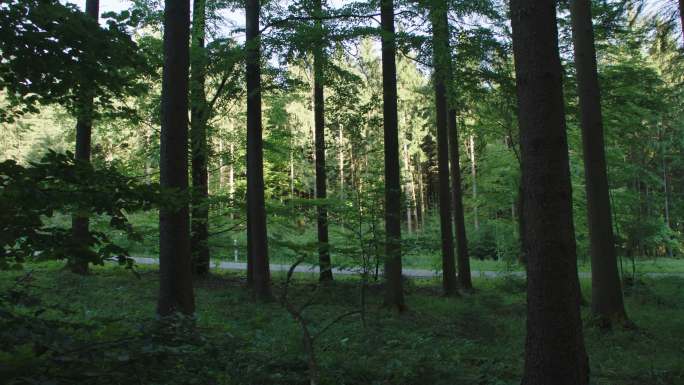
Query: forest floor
point(101, 329)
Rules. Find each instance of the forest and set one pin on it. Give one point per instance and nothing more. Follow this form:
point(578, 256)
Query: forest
point(342, 192)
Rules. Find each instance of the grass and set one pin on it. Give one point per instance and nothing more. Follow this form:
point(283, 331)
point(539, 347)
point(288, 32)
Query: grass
point(474, 339)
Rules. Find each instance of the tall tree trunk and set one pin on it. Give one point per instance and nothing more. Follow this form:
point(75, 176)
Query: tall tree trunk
point(231, 180)
point(464, 278)
point(666, 196)
point(341, 162)
point(421, 208)
point(413, 200)
point(80, 221)
point(407, 189)
point(473, 176)
point(222, 165)
point(256, 210)
point(681, 16)
point(175, 274)
point(199, 241)
point(319, 123)
point(606, 298)
point(554, 347)
point(394, 291)
point(440, 58)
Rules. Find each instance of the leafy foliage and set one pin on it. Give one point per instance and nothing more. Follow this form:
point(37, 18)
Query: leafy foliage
point(50, 52)
point(57, 185)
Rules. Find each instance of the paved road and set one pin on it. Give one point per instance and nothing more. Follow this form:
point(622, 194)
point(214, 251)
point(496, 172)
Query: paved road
point(417, 273)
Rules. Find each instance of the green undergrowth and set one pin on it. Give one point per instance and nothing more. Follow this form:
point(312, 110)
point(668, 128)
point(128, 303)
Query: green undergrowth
point(58, 328)
point(420, 249)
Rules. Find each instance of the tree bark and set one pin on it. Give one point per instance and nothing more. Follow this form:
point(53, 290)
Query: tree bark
point(421, 208)
point(473, 176)
point(319, 123)
point(394, 291)
point(199, 245)
point(441, 58)
point(464, 278)
point(554, 347)
point(606, 298)
point(222, 164)
point(256, 210)
point(80, 221)
point(666, 197)
point(407, 190)
point(340, 155)
point(681, 16)
point(175, 274)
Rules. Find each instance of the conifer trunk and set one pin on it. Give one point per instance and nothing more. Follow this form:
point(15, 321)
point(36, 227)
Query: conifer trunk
point(394, 291)
point(340, 156)
point(199, 245)
point(464, 278)
point(175, 274)
point(473, 177)
point(440, 36)
point(421, 208)
point(681, 16)
point(606, 299)
point(407, 190)
point(319, 123)
point(259, 272)
point(554, 347)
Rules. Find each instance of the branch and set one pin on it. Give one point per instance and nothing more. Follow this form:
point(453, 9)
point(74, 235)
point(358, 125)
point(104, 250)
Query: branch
point(210, 106)
point(336, 320)
point(288, 19)
point(231, 228)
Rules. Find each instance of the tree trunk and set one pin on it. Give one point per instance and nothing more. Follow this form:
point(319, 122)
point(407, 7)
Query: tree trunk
point(222, 165)
point(80, 221)
point(256, 210)
point(681, 16)
point(464, 278)
point(441, 58)
point(421, 208)
point(341, 163)
point(473, 176)
point(554, 347)
point(175, 274)
point(231, 179)
point(319, 123)
point(199, 245)
point(606, 298)
point(407, 189)
point(394, 291)
point(666, 198)
point(414, 201)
